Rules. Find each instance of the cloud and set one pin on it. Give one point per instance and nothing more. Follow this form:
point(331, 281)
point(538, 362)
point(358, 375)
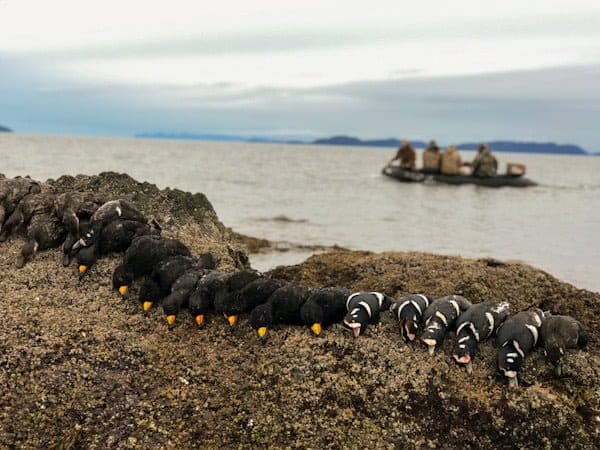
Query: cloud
point(558, 104)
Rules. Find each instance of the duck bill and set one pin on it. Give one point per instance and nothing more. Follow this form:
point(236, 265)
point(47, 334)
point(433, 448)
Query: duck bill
point(466, 361)
point(407, 334)
point(82, 269)
point(262, 332)
point(171, 320)
point(123, 290)
point(316, 328)
point(146, 306)
point(513, 382)
point(232, 320)
point(558, 370)
point(200, 320)
point(430, 344)
point(356, 331)
point(469, 367)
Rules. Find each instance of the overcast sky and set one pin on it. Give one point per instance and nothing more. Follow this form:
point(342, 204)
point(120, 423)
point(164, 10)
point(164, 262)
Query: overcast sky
point(458, 71)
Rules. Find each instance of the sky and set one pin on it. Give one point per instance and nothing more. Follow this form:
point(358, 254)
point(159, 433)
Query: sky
point(456, 71)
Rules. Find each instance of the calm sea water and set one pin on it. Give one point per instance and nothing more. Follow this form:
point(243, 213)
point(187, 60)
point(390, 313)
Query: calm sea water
point(336, 195)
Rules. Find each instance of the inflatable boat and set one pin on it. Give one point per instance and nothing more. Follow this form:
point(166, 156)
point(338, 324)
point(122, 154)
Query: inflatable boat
point(415, 176)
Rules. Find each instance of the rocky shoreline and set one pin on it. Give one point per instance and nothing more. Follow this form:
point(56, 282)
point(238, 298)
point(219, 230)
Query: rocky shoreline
point(83, 368)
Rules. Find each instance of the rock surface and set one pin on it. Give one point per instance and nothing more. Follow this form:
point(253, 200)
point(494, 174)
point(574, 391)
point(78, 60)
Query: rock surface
point(82, 368)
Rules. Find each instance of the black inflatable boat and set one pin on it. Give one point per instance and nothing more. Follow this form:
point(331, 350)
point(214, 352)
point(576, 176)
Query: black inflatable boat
point(415, 176)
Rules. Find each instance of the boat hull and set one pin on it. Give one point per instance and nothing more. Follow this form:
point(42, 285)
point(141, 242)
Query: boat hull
point(413, 176)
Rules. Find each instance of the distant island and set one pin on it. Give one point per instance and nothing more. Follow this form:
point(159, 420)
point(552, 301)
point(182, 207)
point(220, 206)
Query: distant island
point(5, 129)
point(500, 146)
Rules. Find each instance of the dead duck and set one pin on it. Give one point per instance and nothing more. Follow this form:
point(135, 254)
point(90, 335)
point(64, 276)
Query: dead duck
point(559, 333)
point(324, 307)
point(475, 325)
point(364, 308)
point(440, 317)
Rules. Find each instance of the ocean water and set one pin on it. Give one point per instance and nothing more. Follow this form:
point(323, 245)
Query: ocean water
point(321, 195)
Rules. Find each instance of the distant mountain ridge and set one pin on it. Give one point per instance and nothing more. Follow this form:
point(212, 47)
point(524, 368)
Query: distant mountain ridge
point(499, 146)
point(5, 129)
point(343, 140)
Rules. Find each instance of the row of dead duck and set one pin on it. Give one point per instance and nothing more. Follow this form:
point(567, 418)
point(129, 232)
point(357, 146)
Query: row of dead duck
point(87, 229)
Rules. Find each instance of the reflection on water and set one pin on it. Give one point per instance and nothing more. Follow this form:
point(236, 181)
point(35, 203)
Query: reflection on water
point(336, 195)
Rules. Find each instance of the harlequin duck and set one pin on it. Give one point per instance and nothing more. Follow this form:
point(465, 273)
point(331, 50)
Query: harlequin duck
point(440, 316)
point(517, 336)
point(364, 308)
point(476, 324)
point(409, 312)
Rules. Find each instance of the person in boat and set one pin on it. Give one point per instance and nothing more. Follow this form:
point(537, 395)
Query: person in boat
point(484, 164)
point(406, 156)
point(451, 161)
point(432, 158)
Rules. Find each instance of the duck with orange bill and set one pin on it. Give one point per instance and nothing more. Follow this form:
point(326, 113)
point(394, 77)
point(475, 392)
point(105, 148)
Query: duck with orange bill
point(323, 308)
point(440, 317)
point(144, 253)
point(158, 284)
point(233, 285)
point(409, 312)
point(283, 307)
point(115, 237)
point(475, 325)
point(517, 336)
point(249, 297)
point(180, 294)
point(209, 288)
point(364, 308)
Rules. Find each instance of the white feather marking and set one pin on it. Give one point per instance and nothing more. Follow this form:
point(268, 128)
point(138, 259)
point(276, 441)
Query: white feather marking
point(462, 346)
point(379, 296)
point(354, 312)
point(538, 321)
point(425, 299)
point(367, 308)
point(351, 297)
point(460, 327)
point(402, 307)
point(474, 331)
point(463, 339)
point(510, 360)
point(517, 347)
point(456, 307)
point(416, 305)
point(434, 326)
point(490, 319)
point(534, 332)
point(442, 317)
point(511, 355)
point(119, 212)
